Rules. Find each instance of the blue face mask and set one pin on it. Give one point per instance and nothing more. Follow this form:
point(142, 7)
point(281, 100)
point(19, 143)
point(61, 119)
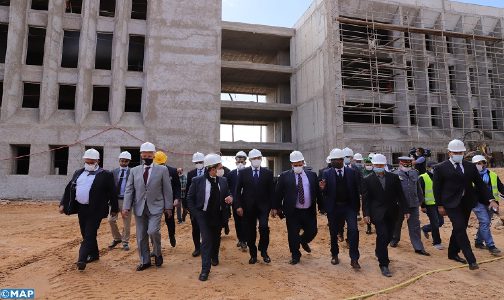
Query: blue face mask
point(379, 170)
point(457, 158)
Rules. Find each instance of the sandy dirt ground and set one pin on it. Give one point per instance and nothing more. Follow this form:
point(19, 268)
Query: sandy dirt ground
point(38, 249)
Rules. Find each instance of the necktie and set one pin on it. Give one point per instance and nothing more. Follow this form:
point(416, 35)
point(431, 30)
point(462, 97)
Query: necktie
point(458, 168)
point(256, 176)
point(300, 190)
point(146, 174)
point(340, 174)
point(121, 178)
point(199, 172)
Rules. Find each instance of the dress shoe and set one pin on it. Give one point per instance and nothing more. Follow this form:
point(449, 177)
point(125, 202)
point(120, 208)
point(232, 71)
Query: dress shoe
point(426, 234)
point(494, 250)
point(457, 259)
point(385, 271)
point(203, 276)
point(158, 260)
point(92, 258)
point(196, 253)
point(244, 246)
point(113, 244)
point(173, 241)
point(473, 266)
point(214, 261)
point(334, 260)
point(252, 260)
point(142, 267)
point(81, 265)
point(422, 252)
point(306, 247)
point(479, 246)
point(126, 247)
point(266, 257)
point(394, 244)
point(294, 261)
point(355, 264)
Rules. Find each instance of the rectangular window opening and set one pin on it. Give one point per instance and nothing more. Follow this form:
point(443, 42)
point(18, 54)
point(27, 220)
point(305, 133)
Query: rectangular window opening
point(101, 95)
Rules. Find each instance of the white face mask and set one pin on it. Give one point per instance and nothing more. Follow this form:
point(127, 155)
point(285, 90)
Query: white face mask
point(89, 167)
point(405, 169)
point(369, 168)
point(347, 160)
point(457, 158)
point(199, 166)
point(479, 167)
point(256, 163)
point(240, 166)
point(297, 170)
point(220, 172)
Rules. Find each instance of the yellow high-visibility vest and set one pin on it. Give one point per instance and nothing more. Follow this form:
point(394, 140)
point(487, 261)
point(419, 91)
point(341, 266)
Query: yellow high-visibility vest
point(429, 192)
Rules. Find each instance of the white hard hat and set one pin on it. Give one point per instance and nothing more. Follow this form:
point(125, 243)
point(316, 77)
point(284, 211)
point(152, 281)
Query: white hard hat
point(91, 154)
point(125, 155)
point(348, 152)
point(456, 146)
point(147, 147)
point(371, 155)
point(197, 157)
point(358, 156)
point(379, 159)
point(211, 160)
point(328, 159)
point(241, 154)
point(405, 158)
point(478, 158)
point(254, 153)
point(336, 154)
point(296, 156)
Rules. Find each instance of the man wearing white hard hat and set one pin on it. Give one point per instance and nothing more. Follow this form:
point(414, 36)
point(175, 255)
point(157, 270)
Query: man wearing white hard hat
point(484, 239)
point(149, 194)
point(90, 194)
point(382, 201)
point(349, 154)
point(207, 200)
point(232, 177)
point(458, 187)
point(121, 175)
point(199, 170)
point(340, 186)
point(254, 197)
point(296, 196)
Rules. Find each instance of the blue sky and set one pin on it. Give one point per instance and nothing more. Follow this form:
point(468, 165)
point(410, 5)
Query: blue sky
point(285, 12)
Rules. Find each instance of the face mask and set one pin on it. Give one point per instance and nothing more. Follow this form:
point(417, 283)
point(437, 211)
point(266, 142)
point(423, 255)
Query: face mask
point(379, 170)
point(358, 165)
point(89, 167)
point(297, 170)
point(240, 166)
point(457, 158)
point(347, 160)
point(480, 168)
point(220, 172)
point(405, 169)
point(256, 163)
point(199, 166)
point(369, 168)
point(148, 161)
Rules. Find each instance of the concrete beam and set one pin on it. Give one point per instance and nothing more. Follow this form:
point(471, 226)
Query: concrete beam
point(255, 111)
point(259, 29)
point(267, 149)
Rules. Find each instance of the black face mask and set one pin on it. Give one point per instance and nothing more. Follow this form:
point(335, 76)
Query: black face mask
point(337, 164)
point(148, 161)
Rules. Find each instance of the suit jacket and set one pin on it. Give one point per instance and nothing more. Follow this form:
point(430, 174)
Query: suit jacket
point(352, 180)
point(157, 194)
point(232, 179)
point(117, 172)
point(190, 176)
point(378, 202)
point(175, 182)
point(286, 195)
point(249, 194)
point(452, 189)
point(197, 193)
point(103, 193)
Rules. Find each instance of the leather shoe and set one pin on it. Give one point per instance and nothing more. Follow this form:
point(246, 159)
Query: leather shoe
point(158, 260)
point(203, 276)
point(91, 258)
point(173, 241)
point(355, 264)
point(252, 260)
point(266, 257)
point(334, 260)
point(244, 246)
point(479, 246)
point(306, 247)
point(214, 261)
point(196, 253)
point(394, 244)
point(458, 259)
point(294, 261)
point(113, 244)
point(81, 265)
point(142, 267)
point(385, 271)
point(422, 252)
point(473, 266)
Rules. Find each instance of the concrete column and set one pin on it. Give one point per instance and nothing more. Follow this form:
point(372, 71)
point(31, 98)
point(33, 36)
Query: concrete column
point(13, 84)
point(119, 60)
point(52, 60)
point(40, 163)
point(87, 50)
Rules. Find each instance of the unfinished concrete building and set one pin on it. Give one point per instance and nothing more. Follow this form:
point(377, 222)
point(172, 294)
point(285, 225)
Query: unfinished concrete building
point(378, 76)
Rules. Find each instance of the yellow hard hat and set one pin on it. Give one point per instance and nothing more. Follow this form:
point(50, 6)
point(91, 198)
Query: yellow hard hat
point(160, 158)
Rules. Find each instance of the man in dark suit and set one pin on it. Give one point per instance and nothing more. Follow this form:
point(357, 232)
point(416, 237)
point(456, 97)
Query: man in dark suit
point(232, 178)
point(382, 200)
point(458, 187)
point(121, 175)
point(160, 158)
point(340, 186)
point(199, 170)
point(89, 194)
point(296, 196)
point(207, 199)
point(254, 197)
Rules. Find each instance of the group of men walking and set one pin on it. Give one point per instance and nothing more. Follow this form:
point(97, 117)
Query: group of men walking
point(350, 184)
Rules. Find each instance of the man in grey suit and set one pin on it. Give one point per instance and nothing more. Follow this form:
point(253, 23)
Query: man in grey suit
point(121, 175)
point(150, 194)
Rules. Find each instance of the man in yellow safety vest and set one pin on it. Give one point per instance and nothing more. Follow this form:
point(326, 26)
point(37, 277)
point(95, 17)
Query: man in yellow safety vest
point(430, 208)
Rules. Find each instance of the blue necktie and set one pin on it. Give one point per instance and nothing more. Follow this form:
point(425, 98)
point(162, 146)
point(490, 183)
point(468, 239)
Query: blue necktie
point(256, 176)
point(458, 168)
